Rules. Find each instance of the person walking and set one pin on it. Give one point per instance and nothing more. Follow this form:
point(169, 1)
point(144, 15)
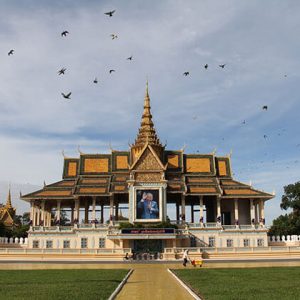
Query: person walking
point(185, 257)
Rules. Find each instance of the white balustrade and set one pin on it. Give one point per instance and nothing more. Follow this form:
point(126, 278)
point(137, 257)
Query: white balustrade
point(21, 241)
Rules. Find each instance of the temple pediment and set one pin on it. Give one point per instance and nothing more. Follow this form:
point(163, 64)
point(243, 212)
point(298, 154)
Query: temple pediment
point(148, 160)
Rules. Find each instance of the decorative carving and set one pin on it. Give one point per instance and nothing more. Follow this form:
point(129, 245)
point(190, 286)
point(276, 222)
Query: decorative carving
point(122, 161)
point(198, 165)
point(148, 162)
point(173, 161)
point(240, 192)
point(222, 168)
point(194, 189)
point(72, 169)
point(55, 193)
point(148, 177)
point(96, 165)
point(98, 190)
point(95, 181)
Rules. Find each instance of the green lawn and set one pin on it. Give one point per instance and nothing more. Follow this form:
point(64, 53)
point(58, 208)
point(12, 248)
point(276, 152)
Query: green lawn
point(59, 284)
point(255, 283)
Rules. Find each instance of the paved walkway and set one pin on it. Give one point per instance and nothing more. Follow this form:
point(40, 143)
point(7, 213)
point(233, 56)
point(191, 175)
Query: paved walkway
point(152, 282)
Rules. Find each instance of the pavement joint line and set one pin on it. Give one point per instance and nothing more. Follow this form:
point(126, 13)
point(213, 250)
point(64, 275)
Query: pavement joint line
point(188, 289)
point(120, 286)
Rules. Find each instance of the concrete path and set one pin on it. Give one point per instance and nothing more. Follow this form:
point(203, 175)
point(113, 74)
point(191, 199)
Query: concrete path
point(152, 282)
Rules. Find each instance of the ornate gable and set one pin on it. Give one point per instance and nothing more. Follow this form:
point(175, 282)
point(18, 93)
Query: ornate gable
point(148, 161)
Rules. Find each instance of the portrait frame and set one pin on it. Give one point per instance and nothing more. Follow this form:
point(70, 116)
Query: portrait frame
point(137, 196)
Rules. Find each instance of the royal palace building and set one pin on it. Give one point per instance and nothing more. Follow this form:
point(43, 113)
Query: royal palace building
point(209, 207)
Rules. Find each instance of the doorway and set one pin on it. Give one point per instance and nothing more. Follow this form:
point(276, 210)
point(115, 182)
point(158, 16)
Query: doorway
point(226, 218)
point(148, 246)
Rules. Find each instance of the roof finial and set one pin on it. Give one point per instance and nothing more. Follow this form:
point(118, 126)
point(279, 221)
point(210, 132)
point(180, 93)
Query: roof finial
point(147, 132)
point(8, 201)
point(147, 88)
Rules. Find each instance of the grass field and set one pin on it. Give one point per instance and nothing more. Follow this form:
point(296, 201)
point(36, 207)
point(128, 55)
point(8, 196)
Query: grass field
point(240, 284)
point(59, 284)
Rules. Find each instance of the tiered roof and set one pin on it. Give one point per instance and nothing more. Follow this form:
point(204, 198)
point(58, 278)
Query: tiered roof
point(7, 211)
point(104, 174)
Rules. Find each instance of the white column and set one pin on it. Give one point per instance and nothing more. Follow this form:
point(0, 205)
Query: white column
point(262, 212)
point(201, 210)
point(49, 217)
point(76, 212)
point(38, 216)
point(111, 209)
point(33, 215)
point(46, 218)
point(219, 210)
point(86, 211)
point(183, 207)
point(43, 213)
point(94, 209)
point(31, 212)
point(236, 212)
point(58, 211)
point(252, 213)
point(72, 215)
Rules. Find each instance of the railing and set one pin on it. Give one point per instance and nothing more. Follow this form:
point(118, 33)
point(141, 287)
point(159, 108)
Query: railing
point(284, 239)
point(212, 225)
point(225, 227)
point(181, 250)
point(252, 249)
point(64, 251)
point(69, 228)
point(212, 250)
point(19, 241)
point(113, 229)
point(229, 227)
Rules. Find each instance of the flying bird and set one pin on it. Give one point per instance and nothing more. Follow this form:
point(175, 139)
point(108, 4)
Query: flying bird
point(265, 136)
point(110, 71)
point(113, 36)
point(129, 58)
point(95, 80)
point(206, 66)
point(186, 73)
point(110, 13)
point(66, 96)
point(62, 71)
point(64, 33)
point(11, 52)
point(222, 66)
point(244, 122)
point(265, 107)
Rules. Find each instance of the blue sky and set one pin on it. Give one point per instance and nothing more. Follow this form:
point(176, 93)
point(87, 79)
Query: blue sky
point(257, 40)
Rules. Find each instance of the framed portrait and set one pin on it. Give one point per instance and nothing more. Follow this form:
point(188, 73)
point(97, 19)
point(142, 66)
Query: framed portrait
point(147, 205)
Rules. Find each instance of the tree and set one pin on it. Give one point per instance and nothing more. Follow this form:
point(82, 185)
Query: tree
point(288, 224)
point(2, 230)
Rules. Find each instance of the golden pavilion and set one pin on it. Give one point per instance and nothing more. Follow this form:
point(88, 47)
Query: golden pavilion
point(7, 212)
point(149, 180)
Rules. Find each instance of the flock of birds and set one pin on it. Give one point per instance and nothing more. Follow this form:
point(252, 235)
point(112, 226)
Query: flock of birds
point(114, 36)
point(63, 70)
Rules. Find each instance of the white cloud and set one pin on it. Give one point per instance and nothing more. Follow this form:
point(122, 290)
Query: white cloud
point(258, 44)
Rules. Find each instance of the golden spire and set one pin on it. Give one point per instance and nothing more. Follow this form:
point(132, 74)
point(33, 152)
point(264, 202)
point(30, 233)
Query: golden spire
point(147, 133)
point(8, 200)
